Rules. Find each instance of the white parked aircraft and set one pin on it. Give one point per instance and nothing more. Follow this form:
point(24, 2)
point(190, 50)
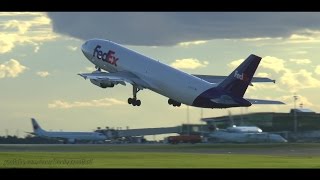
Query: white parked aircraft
point(67, 137)
point(240, 129)
point(242, 134)
point(245, 137)
point(125, 65)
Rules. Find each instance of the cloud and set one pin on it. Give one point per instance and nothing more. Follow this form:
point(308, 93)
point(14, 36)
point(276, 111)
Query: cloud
point(11, 68)
point(267, 62)
point(192, 43)
point(15, 14)
point(304, 36)
point(235, 63)
point(273, 63)
point(263, 75)
point(301, 52)
point(171, 28)
point(30, 28)
point(258, 39)
point(36, 49)
point(60, 104)
point(301, 61)
point(189, 63)
point(287, 79)
point(43, 73)
point(72, 48)
point(91, 69)
point(317, 70)
point(299, 80)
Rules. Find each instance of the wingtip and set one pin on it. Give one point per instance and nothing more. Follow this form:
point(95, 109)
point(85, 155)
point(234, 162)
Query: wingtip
point(82, 76)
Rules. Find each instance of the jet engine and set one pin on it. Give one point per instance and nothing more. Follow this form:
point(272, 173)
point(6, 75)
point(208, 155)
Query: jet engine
point(102, 84)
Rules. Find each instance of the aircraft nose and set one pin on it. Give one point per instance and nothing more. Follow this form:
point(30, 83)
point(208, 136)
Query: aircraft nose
point(85, 49)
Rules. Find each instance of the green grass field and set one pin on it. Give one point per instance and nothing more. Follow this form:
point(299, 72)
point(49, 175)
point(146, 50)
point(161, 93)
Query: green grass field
point(151, 160)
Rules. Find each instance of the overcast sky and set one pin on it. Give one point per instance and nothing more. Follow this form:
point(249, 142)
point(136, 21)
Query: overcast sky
point(41, 56)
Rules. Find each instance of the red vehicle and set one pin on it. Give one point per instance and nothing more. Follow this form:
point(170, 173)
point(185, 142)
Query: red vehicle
point(184, 139)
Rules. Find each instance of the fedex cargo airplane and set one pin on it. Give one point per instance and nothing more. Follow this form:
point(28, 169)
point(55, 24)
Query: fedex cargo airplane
point(124, 65)
point(67, 137)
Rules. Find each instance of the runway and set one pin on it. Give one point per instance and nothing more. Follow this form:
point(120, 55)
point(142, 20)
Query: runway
point(254, 149)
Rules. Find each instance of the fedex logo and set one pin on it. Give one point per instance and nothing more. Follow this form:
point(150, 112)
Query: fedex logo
point(242, 76)
point(108, 57)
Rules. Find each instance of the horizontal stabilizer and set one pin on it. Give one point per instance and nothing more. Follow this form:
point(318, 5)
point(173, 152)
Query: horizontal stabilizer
point(260, 101)
point(218, 79)
point(31, 133)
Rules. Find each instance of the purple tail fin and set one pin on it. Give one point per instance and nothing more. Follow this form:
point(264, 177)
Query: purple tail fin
point(237, 82)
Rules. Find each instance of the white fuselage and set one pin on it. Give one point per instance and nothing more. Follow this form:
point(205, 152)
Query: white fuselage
point(92, 136)
point(244, 129)
point(160, 78)
point(239, 137)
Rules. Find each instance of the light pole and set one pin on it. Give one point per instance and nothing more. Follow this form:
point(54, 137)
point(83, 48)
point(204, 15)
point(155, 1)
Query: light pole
point(295, 121)
point(188, 131)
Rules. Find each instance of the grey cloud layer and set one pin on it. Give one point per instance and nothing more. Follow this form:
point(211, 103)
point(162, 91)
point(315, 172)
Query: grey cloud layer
point(170, 28)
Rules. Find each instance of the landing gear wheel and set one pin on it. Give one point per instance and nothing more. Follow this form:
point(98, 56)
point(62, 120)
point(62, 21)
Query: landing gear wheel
point(134, 101)
point(138, 102)
point(130, 101)
point(174, 103)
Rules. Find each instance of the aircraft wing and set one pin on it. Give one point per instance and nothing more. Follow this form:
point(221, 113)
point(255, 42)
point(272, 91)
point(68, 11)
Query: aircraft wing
point(260, 101)
point(31, 133)
point(218, 79)
point(120, 77)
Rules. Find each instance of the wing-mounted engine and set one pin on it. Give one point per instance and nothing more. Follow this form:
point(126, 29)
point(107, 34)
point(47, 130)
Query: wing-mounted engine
point(103, 79)
point(103, 83)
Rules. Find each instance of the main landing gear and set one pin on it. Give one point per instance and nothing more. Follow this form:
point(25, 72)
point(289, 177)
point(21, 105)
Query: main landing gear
point(134, 101)
point(174, 103)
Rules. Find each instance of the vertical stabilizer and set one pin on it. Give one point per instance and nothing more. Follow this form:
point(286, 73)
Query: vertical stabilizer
point(36, 128)
point(237, 82)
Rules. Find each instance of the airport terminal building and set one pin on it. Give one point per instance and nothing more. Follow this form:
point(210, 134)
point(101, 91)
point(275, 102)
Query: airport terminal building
point(306, 120)
point(296, 125)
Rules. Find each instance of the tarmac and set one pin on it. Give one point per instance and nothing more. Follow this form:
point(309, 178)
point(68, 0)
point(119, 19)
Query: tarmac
point(295, 149)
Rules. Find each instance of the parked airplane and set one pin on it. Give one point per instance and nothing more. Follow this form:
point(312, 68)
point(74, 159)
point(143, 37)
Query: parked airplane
point(245, 137)
point(67, 137)
point(241, 134)
point(125, 65)
point(241, 129)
